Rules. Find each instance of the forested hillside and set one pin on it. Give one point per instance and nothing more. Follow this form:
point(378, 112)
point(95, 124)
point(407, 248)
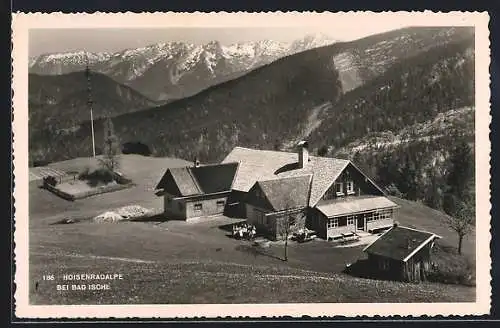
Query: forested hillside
point(403, 127)
point(262, 109)
point(60, 101)
point(412, 91)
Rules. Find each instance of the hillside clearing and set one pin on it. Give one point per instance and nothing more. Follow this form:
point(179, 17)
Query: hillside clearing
point(145, 172)
point(182, 283)
point(178, 262)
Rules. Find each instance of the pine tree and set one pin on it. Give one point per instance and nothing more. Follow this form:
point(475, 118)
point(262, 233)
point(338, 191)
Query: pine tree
point(433, 195)
point(458, 200)
point(323, 151)
point(387, 170)
point(460, 171)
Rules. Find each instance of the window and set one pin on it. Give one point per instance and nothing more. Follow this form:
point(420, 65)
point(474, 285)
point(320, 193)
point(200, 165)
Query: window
point(384, 215)
point(169, 202)
point(350, 187)
point(180, 207)
point(379, 215)
point(332, 223)
point(369, 217)
point(198, 207)
point(339, 190)
point(220, 203)
point(350, 220)
point(260, 217)
point(384, 264)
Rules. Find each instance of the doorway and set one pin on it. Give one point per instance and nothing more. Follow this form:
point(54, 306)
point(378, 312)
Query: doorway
point(361, 222)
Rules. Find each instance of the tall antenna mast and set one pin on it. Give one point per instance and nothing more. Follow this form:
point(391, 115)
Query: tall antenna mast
point(89, 101)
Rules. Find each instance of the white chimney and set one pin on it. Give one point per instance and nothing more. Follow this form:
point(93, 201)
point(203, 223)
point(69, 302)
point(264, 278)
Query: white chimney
point(303, 154)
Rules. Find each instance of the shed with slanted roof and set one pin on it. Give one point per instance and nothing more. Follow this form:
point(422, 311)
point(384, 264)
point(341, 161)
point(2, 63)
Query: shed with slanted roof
point(279, 206)
point(401, 253)
point(196, 191)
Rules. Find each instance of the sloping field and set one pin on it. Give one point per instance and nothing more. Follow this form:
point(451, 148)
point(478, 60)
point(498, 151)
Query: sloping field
point(217, 282)
point(178, 262)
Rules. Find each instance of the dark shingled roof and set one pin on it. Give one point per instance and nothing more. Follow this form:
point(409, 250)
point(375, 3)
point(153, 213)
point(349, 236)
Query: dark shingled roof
point(184, 181)
point(215, 178)
point(290, 192)
point(204, 179)
point(400, 243)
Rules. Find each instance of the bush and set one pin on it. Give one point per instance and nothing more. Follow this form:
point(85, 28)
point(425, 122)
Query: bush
point(99, 176)
point(83, 175)
point(136, 148)
point(50, 180)
point(393, 191)
point(42, 162)
point(451, 268)
point(121, 179)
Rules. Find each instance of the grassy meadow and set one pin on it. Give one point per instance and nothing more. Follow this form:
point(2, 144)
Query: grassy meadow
point(177, 262)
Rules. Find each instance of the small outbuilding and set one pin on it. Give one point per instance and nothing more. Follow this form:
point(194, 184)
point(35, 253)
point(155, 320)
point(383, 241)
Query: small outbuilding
point(196, 191)
point(402, 254)
point(279, 206)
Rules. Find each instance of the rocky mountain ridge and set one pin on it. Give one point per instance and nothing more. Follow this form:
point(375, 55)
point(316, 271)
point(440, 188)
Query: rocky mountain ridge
point(172, 70)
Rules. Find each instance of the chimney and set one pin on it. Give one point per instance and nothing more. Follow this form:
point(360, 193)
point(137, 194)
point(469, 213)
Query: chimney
point(303, 154)
point(196, 162)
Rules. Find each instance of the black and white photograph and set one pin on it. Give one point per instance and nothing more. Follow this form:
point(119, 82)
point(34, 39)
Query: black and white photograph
point(243, 164)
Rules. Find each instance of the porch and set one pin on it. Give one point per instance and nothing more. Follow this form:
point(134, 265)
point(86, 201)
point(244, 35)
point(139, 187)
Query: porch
point(354, 215)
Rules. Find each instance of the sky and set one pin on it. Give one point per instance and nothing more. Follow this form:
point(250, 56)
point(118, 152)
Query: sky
point(42, 41)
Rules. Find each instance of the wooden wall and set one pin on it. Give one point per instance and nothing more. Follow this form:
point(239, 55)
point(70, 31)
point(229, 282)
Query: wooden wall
point(184, 208)
point(362, 186)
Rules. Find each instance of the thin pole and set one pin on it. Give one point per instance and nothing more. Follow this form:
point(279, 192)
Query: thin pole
point(89, 90)
point(92, 128)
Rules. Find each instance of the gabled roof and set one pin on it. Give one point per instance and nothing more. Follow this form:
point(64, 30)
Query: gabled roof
point(287, 193)
point(185, 181)
point(215, 178)
point(205, 179)
point(400, 243)
point(256, 165)
point(354, 205)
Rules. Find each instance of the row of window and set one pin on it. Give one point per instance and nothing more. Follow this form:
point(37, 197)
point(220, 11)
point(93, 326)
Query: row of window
point(340, 189)
point(351, 219)
point(349, 188)
point(380, 215)
point(197, 206)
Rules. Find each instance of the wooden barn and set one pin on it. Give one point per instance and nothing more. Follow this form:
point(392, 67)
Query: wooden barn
point(197, 191)
point(279, 204)
point(402, 254)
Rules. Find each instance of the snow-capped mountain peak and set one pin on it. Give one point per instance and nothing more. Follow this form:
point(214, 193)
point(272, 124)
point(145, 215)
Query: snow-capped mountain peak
point(177, 59)
point(312, 40)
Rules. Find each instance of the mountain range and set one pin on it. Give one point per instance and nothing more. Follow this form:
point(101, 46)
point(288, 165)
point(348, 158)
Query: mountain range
point(173, 70)
point(314, 94)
